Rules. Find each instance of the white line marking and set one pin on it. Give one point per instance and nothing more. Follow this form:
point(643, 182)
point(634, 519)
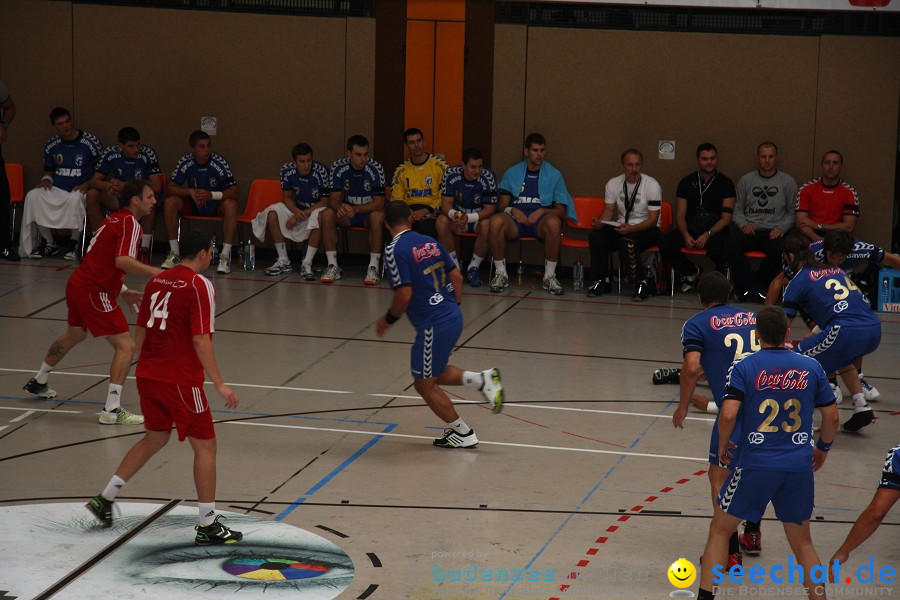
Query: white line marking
point(54, 410)
point(2, 427)
point(24, 415)
point(425, 437)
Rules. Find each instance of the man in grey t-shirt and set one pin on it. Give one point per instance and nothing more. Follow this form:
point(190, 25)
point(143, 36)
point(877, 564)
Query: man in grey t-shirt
point(763, 211)
point(7, 114)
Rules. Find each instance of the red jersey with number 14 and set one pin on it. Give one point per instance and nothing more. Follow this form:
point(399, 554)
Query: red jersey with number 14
point(178, 304)
point(118, 235)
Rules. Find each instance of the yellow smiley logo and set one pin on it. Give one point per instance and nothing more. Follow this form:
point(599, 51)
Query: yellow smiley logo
point(682, 573)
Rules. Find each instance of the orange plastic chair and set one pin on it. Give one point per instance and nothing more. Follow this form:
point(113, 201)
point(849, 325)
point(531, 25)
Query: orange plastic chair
point(263, 193)
point(14, 173)
point(587, 208)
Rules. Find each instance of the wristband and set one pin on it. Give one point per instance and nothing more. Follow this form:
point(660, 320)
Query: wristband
point(452, 213)
point(47, 178)
point(472, 218)
point(508, 210)
point(391, 319)
point(124, 289)
point(709, 233)
point(823, 446)
point(216, 195)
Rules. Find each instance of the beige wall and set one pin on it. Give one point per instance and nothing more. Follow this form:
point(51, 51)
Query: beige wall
point(593, 93)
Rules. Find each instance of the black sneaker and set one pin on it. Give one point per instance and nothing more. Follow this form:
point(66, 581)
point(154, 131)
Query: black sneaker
point(862, 416)
point(216, 533)
point(10, 255)
point(101, 508)
point(38, 389)
point(661, 376)
point(688, 282)
point(44, 250)
point(452, 439)
point(642, 291)
point(602, 286)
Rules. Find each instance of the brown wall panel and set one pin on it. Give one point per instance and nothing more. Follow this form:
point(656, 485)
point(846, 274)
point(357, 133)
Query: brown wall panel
point(360, 65)
point(857, 115)
point(510, 54)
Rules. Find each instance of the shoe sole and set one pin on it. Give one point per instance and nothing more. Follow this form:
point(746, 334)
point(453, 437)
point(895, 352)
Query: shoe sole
point(456, 447)
point(854, 424)
point(223, 543)
point(48, 394)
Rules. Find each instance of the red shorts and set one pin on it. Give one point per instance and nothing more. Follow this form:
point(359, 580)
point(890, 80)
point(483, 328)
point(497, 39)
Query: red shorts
point(166, 404)
point(97, 312)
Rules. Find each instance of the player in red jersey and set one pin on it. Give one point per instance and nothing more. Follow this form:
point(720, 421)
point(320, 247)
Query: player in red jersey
point(177, 318)
point(92, 298)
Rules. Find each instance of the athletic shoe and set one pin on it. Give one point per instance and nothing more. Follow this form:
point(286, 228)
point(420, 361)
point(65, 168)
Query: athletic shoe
point(224, 267)
point(371, 276)
point(642, 291)
point(120, 416)
point(172, 259)
point(306, 272)
point(72, 253)
point(39, 389)
point(333, 272)
point(279, 268)
point(472, 277)
point(688, 282)
point(735, 558)
point(838, 394)
point(751, 542)
point(452, 439)
point(870, 391)
point(101, 508)
point(493, 389)
point(216, 533)
point(44, 250)
point(600, 287)
point(144, 255)
point(862, 416)
point(499, 283)
point(551, 284)
point(661, 376)
point(10, 254)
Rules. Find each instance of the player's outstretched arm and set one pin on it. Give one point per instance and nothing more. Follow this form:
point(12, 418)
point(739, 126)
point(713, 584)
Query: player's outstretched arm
point(135, 267)
point(204, 349)
point(690, 373)
point(866, 524)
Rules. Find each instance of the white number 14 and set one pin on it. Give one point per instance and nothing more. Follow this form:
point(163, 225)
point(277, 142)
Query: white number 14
point(159, 309)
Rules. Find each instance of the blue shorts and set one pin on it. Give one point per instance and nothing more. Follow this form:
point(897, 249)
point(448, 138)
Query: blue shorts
point(434, 342)
point(748, 491)
point(839, 345)
point(714, 444)
point(528, 230)
point(210, 209)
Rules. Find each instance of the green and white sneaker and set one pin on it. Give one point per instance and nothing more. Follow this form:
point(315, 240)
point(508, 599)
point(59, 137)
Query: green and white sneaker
point(216, 533)
point(493, 389)
point(120, 416)
point(101, 508)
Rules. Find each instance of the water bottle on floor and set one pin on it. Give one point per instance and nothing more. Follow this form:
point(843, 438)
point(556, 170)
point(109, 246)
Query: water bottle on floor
point(578, 275)
point(215, 250)
point(520, 274)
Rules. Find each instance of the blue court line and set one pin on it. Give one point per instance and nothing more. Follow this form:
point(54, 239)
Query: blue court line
point(11, 291)
point(333, 474)
point(585, 499)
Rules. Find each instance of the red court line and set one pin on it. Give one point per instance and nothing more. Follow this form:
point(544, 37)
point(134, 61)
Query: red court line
point(595, 439)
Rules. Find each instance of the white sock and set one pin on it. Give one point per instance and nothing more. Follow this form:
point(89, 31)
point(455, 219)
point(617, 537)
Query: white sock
point(455, 259)
point(861, 376)
point(226, 251)
point(44, 374)
point(549, 268)
point(113, 488)
point(476, 261)
point(500, 266)
point(859, 400)
point(173, 247)
point(310, 254)
point(473, 379)
point(207, 512)
point(146, 239)
point(460, 427)
point(113, 397)
point(331, 255)
point(373, 259)
point(712, 408)
point(281, 249)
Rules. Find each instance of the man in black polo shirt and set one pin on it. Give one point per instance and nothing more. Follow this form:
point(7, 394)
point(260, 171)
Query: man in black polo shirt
point(703, 209)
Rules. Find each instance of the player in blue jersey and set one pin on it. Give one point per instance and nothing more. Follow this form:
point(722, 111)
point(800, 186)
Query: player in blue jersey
point(468, 200)
point(302, 215)
point(428, 288)
point(59, 200)
point(119, 164)
point(532, 202)
point(357, 197)
point(204, 180)
point(867, 522)
point(846, 328)
point(770, 397)
point(713, 339)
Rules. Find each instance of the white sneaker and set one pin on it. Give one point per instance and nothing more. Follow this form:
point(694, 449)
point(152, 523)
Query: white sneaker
point(452, 439)
point(120, 416)
point(306, 272)
point(838, 394)
point(333, 273)
point(493, 389)
point(371, 275)
point(172, 259)
point(870, 391)
point(499, 283)
point(279, 268)
point(71, 254)
point(552, 285)
point(224, 265)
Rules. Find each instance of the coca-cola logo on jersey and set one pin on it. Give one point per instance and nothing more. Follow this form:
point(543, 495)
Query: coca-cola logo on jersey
point(792, 379)
point(738, 319)
point(822, 273)
point(429, 250)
